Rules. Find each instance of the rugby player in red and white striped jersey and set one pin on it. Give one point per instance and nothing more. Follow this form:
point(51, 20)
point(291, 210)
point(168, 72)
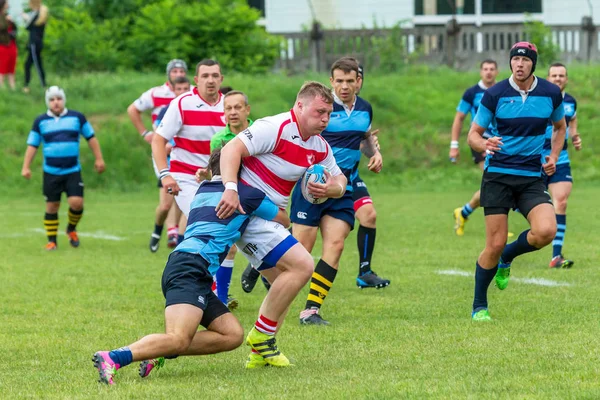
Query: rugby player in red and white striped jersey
point(276, 151)
point(155, 99)
point(191, 120)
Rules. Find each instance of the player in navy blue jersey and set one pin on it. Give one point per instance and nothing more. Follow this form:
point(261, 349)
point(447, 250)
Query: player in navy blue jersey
point(347, 134)
point(520, 108)
point(469, 103)
point(561, 183)
point(187, 281)
point(58, 130)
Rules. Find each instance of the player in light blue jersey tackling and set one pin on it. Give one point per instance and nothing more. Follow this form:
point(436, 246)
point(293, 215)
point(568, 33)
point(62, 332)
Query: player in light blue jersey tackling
point(58, 130)
point(561, 183)
point(469, 103)
point(187, 281)
point(520, 107)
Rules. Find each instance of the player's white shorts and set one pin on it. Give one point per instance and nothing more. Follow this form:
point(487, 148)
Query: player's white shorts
point(265, 242)
point(188, 187)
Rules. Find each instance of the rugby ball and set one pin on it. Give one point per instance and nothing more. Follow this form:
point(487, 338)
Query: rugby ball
point(314, 173)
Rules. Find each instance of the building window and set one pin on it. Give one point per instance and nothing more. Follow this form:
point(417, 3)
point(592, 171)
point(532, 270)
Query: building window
point(259, 5)
point(446, 7)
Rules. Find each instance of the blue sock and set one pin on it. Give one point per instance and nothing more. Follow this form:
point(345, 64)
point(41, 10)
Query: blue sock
point(483, 278)
point(466, 211)
point(518, 247)
point(180, 238)
point(121, 356)
point(224, 280)
point(559, 239)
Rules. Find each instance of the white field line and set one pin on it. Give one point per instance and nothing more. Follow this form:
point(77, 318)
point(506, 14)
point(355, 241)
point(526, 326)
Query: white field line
point(94, 235)
point(527, 281)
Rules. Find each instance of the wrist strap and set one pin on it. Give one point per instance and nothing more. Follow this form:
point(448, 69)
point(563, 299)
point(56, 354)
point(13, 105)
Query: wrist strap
point(231, 186)
point(164, 173)
point(146, 133)
point(454, 144)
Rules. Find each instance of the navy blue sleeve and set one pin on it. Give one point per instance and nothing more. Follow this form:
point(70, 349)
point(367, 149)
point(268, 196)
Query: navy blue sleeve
point(489, 101)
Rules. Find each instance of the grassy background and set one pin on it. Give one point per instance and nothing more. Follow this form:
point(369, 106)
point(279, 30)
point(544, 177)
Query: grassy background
point(414, 112)
point(413, 339)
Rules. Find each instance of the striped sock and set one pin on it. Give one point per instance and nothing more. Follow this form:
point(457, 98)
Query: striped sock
point(265, 325)
point(74, 217)
point(466, 211)
point(51, 226)
point(559, 239)
point(320, 284)
point(223, 278)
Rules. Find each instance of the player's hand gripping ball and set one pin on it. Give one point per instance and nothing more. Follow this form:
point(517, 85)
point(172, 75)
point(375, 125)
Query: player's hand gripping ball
point(314, 173)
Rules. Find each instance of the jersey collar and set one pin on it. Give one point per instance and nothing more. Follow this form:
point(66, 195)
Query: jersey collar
point(341, 103)
point(216, 178)
point(62, 114)
point(523, 92)
point(482, 85)
point(295, 120)
point(195, 90)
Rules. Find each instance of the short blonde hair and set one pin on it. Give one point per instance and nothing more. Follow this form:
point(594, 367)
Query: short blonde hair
point(313, 89)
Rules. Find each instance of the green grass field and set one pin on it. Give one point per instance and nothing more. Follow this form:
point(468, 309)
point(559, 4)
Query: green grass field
point(411, 340)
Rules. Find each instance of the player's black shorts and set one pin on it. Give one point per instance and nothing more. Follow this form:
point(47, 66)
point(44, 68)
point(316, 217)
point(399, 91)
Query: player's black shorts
point(186, 280)
point(55, 185)
point(477, 156)
point(501, 192)
point(359, 189)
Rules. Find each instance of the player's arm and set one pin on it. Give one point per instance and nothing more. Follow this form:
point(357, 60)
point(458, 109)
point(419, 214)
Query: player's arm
point(559, 132)
point(369, 148)
point(335, 182)
point(574, 133)
point(267, 210)
point(135, 110)
point(43, 16)
point(168, 128)
point(483, 119)
point(457, 125)
point(29, 155)
point(95, 147)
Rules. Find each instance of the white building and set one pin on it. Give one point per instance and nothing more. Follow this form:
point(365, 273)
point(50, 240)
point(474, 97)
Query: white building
point(297, 15)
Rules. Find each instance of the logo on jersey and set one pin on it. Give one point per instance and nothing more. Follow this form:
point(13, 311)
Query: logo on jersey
point(250, 248)
point(294, 137)
point(301, 215)
point(199, 105)
point(248, 134)
point(223, 119)
point(310, 158)
point(568, 108)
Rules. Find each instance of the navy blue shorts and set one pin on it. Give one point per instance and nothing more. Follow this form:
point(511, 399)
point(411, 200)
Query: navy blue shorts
point(306, 213)
point(186, 280)
point(562, 174)
point(360, 194)
point(477, 156)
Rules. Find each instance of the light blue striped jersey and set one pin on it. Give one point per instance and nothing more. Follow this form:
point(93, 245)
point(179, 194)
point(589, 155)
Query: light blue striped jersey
point(469, 103)
point(570, 106)
point(346, 129)
point(60, 136)
point(521, 121)
point(211, 237)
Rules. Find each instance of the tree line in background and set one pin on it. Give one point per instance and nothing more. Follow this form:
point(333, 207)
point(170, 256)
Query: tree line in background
point(116, 35)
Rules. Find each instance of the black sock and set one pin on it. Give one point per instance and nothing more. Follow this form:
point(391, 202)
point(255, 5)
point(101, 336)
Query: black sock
point(51, 226)
point(74, 217)
point(320, 284)
point(518, 247)
point(483, 278)
point(365, 239)
point(158, 229)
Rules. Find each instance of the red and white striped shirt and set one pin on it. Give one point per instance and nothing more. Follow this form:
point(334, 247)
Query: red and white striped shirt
point(279, 156)
point(155, 99)
point(191, 121)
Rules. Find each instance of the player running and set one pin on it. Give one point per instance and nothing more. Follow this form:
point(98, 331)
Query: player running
point(194, 118)
point(561, 182)
point(520, 106)
point(276, 152)
point(155, 100)
point(187, 281)
point(58, 130)
point(347, 134)
point(167, 210)
point(488, 71)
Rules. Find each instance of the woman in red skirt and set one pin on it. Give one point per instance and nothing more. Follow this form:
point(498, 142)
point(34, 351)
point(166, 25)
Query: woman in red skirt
point(8, 46)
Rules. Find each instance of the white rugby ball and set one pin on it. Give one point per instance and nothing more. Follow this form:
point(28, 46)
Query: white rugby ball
point(314, 173)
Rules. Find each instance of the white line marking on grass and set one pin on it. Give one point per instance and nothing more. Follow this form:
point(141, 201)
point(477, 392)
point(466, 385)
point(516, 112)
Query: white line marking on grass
point(527, 281)
point(93, 235)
